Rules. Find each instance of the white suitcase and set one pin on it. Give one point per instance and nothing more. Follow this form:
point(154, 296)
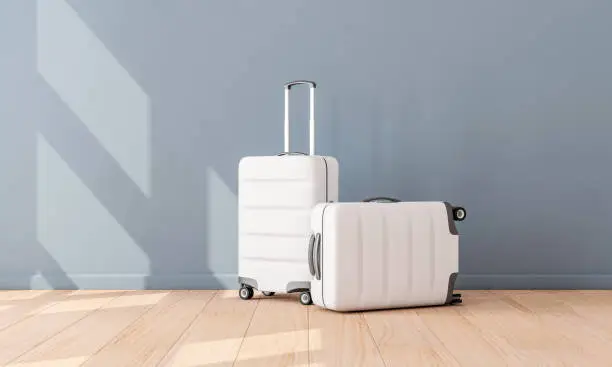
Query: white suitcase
point(379, 255)
point(276, 195)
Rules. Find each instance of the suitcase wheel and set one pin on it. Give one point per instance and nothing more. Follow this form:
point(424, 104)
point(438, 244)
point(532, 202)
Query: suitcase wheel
point(305, 298)
point(456, 299)
point(459, 213)
point(268, 294)
point(245, 292)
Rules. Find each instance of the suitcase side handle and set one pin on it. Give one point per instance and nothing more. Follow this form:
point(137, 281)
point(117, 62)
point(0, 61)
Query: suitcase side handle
point(288, 86)
point(311, 244)
point(318, 256)
point(381, 199)
point(314, 255)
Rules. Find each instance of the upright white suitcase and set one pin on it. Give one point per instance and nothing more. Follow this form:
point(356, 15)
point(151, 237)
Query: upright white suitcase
point(380, 255)
point(276, 195)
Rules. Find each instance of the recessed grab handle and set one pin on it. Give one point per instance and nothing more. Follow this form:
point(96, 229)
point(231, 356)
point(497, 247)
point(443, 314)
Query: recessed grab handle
point(381, 199)
point(311, 265)
point(318, 256)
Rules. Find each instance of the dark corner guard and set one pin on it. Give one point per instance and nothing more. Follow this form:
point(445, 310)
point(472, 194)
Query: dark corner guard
point(451, 220)
point(451, 297)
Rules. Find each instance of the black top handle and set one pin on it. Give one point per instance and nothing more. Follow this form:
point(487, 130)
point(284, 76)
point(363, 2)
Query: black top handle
point(381, 199)
point(298, 82)
point(291, 153)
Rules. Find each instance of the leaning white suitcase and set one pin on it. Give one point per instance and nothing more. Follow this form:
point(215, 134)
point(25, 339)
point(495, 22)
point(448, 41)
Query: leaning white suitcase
point(380, 255)
point(276, 195)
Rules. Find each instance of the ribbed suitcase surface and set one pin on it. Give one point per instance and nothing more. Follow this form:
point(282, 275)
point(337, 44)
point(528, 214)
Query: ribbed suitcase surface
point(276, 196)
point(384, 255)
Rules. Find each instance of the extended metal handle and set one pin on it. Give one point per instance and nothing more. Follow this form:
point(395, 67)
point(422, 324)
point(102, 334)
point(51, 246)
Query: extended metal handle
point(381, 199)
point(288, 86)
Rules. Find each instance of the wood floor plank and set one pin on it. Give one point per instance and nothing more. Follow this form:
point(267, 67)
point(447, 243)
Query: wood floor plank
point(277, 334)
point(217, 329)
point(69, 346)
point(517, 332)
point(341, 339)
point(594, 306)
point(592, 342)
point(216, 335)
point(44, 324)
point(18, 295)
point(460, 337)
point(147, 341)
point(22, 304)
point(403, 339)
point(66, 362)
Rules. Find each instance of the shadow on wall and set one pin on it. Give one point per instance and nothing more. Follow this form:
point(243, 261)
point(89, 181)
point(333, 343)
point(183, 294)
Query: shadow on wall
point(123, 184)
point(116, 190)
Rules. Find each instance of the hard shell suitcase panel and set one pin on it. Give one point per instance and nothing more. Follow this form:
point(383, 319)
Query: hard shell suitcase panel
point(281, 168)
point(378, 255)
point(272, 231)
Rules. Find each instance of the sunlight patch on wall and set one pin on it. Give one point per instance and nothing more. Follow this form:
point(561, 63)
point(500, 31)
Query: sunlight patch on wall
point(92, 83)
point(38, 281)
point(77, 230)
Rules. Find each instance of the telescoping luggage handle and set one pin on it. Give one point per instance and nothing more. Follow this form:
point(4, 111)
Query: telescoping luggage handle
point(288, 86)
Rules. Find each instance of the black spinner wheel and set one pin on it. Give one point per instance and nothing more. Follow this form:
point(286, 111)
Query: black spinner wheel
point(246, 292)
point(459, 213)
point(305, 298)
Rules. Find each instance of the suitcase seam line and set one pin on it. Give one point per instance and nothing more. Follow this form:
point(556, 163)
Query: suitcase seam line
point(321, 252)
point(322, 216)
point(326, 180)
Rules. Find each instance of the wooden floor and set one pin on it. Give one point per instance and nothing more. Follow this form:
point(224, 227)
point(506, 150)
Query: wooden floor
point(216, 328)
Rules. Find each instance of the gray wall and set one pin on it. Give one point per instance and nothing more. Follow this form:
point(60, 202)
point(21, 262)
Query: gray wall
point(122, 123)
